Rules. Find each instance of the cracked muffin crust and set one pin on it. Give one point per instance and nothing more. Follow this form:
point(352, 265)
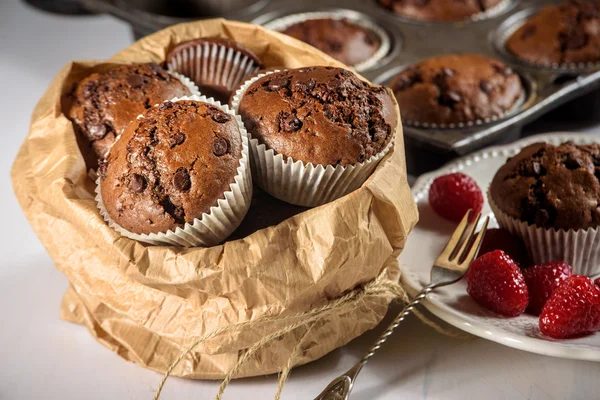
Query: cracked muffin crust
point(454, 89)
point(104, 104)
point(559, 34)
point(551, 186)
point(439, 10)
point(343, 40)
point(170, 166)
point(319, 115)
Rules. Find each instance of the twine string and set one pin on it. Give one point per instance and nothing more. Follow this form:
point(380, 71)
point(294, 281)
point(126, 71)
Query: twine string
point(380, 287)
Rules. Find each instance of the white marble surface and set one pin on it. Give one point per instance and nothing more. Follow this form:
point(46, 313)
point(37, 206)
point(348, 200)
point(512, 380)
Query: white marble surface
point(42, 357)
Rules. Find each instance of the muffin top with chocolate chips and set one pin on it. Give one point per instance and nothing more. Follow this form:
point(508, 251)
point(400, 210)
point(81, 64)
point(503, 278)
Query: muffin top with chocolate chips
point(551, 186)
point(439, 10)
point(456, 89)
point(341, 39)
point(567, 33)
point(170, 166)
point(319, 115)
point(105, 103)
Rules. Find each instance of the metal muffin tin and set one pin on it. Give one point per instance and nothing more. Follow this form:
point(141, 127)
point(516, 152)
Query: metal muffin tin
point(413, 41)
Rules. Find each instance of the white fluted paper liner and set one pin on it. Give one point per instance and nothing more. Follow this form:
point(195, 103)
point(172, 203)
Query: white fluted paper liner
point(212, 227)
point(579, 248)
point(304, 184)
point(355, 17)
point(213, 63)
point(187, 82)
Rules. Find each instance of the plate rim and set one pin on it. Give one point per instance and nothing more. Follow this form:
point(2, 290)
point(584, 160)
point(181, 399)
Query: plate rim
point(490, 332)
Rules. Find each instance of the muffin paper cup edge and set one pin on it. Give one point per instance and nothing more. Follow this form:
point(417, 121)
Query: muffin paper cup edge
point(579, 248)
point(280, 24)
point(215, 226)
point(213, 63)
point(303, 184)
point(187, 82)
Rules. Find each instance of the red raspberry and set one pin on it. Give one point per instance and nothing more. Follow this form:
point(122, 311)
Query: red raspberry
point(542, 281)
point(512, 245)
point(495, 281)
point(597, 281)
point(451, 196)
point(572, 310)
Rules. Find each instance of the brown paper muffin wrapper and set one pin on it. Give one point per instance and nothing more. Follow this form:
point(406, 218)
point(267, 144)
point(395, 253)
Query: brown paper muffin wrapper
point(281, 24)
point(302, 184)
point(579, 248)
point(212, 227)
point(213, 64)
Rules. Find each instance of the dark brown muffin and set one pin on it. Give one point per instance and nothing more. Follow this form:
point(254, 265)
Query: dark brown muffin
point(170, 166)
point(559, 34)
point(456, 89)
point(319, 115)
point(551, 186)
point(341, 39)
point(439, 10)
point(209, 77)
point(104, 104)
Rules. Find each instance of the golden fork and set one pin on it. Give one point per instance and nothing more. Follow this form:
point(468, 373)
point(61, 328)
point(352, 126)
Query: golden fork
point(449, 268)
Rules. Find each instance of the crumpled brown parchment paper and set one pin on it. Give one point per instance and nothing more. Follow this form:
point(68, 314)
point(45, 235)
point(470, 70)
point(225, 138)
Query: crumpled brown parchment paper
point(149, 303)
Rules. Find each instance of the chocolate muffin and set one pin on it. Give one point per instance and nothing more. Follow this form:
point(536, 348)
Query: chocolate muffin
point(343, 40)
point(170, 166)
point(454, 89)
point(105, 103)
point(319, 115)
point(551, 186)
point(439, 10)
point(559, 34)
point(215, 73)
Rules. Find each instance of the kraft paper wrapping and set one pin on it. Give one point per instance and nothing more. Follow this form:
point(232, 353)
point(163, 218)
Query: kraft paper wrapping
point(149, 303)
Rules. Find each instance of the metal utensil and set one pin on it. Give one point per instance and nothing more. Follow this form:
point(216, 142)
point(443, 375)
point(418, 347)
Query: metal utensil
point(449, 268)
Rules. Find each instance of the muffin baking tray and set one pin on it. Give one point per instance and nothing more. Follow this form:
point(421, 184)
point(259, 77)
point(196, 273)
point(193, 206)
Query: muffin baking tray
point(412, 41)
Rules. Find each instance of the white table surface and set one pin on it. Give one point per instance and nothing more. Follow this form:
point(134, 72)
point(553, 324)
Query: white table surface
point(42, 357)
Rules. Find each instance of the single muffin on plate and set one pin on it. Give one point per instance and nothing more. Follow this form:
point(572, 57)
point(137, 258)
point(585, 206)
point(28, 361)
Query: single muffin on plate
point(178, 175)
point(550, 196)
point(440, 10)
point(105, 103)
point(563, 34)
point(317, 133)
point(216, 65)
point(456, 89)
point(342, 39)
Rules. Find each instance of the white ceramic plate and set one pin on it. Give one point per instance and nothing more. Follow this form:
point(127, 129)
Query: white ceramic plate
point(453, 304)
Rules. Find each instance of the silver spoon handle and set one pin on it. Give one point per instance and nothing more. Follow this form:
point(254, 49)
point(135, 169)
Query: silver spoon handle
point(341, 387)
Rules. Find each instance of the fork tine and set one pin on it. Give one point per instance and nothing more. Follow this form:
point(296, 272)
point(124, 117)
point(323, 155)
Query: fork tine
point(465, 244)
point(455, 240)
point(476, 245)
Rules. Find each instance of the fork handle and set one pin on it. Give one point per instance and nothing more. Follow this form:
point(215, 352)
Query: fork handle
point(355, 370)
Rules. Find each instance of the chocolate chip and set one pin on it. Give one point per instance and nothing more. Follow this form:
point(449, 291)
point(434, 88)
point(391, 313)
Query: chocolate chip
point(542, 217)
point(177, 139)
point(449, 99)
point(528, 31)
point(291, 124)
point(181, 180)
point(220, 146)
point(220, 117)
point(448, 72)
point(572, 162)
point(97, 131)
point(305, 86)
point(403, 82)
point(278, 83)
point(575, 40)
point(502, 69)
point(165, 105)
point(534, 169)
point(486, 86)
point(102, 167)
point(134, 81)
point(137, 183)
